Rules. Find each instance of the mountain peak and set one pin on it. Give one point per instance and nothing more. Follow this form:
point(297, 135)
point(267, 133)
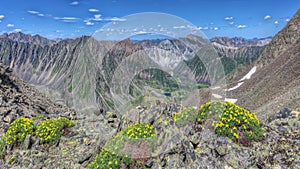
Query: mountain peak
point(28, 38)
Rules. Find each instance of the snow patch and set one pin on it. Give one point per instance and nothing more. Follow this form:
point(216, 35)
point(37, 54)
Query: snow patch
point(217, 96)
point(246, 77)
point(235, 87)
point(215, 88)
point(231, 100)
point(249, 74)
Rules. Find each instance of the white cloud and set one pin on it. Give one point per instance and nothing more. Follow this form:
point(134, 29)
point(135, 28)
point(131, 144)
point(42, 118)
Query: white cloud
point(179, 27)
point(89, 23)
point(241, 26)
point(2, 16)
point(17, 30)
point(74, 3)
point(10, 25)
point(192, 27)
point(287, 19)
point(267, 17)
point(97, 18)
point(276, 22)
point(33, 12)
point(228, 18)
point(231, 23)
point(140, 32)
point(116, 19)
point(93, 10)
point(67, 19)
point(216, 28)
point(187, 27)
point(203, 28)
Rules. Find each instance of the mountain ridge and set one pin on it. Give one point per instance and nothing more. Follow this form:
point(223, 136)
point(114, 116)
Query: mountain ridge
point(52, 65)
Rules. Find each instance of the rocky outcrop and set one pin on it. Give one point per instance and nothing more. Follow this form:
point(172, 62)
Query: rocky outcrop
point(18, 99)
point(197, 146)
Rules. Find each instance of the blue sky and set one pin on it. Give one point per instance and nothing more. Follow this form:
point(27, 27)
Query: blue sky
point(72, 18)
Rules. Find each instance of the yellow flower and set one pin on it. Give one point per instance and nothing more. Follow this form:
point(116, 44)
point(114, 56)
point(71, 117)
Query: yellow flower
point(236, 135)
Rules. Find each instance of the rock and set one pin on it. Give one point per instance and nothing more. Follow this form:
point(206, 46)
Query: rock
point(97, 112)
point(110, 120)
point(149, 163)
point(195, 139)
point(27, 143)
point(282, 130)
point(283, 113)
point(9, 118)
point(221, 150)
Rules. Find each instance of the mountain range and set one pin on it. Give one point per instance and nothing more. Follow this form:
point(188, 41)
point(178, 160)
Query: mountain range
point(52, 65)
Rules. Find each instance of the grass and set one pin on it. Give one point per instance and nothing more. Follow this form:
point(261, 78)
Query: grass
point(70, 88)
point(2, 147)
point(139, 100)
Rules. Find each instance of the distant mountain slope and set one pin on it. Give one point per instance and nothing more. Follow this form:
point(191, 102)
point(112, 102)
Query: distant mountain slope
point(276, 82)
point(238, 51)
point(53, 64)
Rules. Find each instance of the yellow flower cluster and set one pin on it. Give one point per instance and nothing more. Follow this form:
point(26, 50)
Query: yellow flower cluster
point(50, 130)
point(139, 130)
point(112, 154)
point(105, 160)
point(18, 130)
point(203, 112)
point(231, 120)
point(185, 116)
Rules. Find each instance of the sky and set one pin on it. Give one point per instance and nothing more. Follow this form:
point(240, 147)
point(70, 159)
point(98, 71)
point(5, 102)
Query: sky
point(74, 18)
